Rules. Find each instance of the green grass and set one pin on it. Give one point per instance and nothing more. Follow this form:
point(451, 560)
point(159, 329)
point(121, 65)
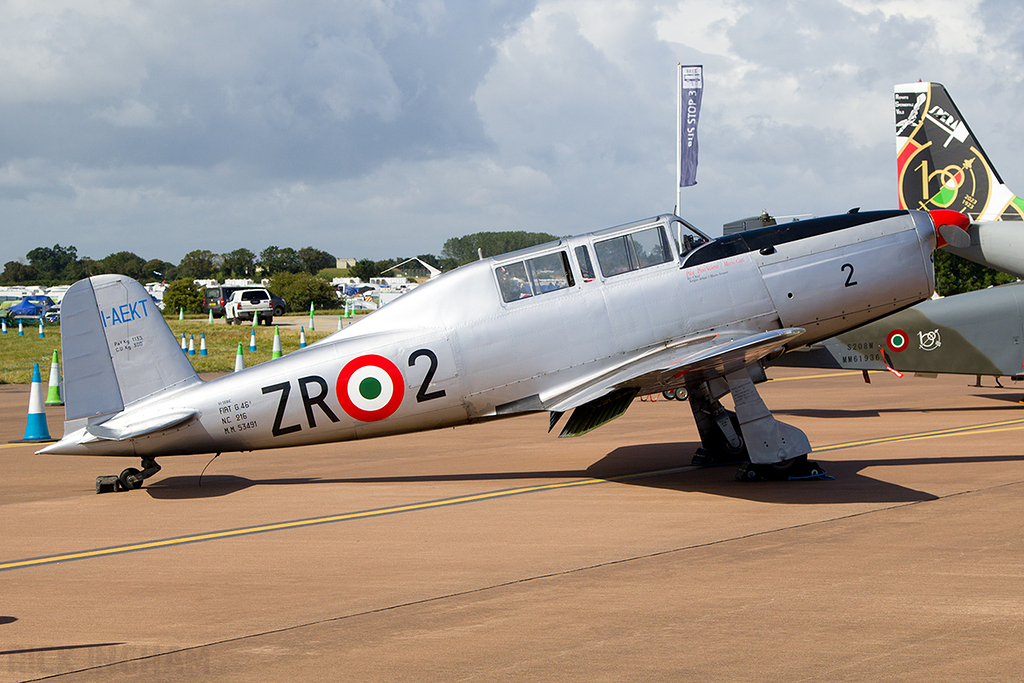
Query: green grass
point(17, 354)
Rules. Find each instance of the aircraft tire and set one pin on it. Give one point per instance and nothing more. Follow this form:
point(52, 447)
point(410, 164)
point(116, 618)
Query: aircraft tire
point(669, 394)
point(129, 485)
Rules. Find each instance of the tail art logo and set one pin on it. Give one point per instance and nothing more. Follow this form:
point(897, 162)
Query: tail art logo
point(370, 388)
point(897, 340)
point(929, 341)
point(939, 165)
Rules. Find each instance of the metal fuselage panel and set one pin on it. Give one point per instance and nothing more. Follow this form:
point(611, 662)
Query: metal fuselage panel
point(835, 281)
point(454, 351)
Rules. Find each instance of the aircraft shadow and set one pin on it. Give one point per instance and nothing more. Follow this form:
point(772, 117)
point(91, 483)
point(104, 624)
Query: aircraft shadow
point(216, 485)
point(637, 465)
point(57, 648)
point(829, 413)
point(1013, 397)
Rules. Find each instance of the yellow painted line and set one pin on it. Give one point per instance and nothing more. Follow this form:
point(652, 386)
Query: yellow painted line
point(363, 514)
point(952, 431)
point(27, 443)
point(1006, 425)
point(831, 374)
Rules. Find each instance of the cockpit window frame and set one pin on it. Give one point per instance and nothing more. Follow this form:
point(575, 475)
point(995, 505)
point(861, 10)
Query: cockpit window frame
point(618, 254)
point(522, 279)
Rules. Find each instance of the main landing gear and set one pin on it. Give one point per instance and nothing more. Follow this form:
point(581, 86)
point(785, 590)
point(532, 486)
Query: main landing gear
point(130, 478)
point(765, 448)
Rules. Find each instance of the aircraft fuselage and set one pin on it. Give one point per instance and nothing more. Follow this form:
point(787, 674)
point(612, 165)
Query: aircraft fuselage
point(529, 331)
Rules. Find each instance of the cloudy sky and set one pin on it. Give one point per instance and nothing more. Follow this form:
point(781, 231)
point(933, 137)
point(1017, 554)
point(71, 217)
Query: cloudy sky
point(378, 128)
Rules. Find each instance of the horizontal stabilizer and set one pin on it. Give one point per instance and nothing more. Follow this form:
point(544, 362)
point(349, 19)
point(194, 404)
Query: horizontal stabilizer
point(119, 429)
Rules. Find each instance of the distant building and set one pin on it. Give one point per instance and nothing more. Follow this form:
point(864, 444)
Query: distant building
point(344, 262)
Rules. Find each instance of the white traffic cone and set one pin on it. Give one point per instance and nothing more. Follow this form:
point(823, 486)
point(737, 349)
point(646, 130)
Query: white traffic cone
point(239, 361)
point(202, 345)
point(184, 344)
point(191, 345)
point(53, 385)
point(276, 351)
point(252, 340)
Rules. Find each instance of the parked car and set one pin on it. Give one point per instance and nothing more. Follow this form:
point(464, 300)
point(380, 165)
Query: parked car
point(216, 299)
point(245, 304)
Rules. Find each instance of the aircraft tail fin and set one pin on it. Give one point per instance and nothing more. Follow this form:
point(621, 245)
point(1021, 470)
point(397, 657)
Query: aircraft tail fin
point(939, 162)
point(117, 347)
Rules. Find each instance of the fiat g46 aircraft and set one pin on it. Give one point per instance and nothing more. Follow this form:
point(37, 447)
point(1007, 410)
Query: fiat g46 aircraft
point(580, 326)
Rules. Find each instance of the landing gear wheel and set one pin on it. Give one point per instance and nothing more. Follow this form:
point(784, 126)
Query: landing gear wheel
point(669, 394)
point(787, 470)
point(682, 394)
point(130, 479)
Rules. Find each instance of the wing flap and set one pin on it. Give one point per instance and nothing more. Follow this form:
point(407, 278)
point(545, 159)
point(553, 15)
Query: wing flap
point(714, 355)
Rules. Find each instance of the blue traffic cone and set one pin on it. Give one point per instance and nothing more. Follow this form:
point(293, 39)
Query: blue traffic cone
point(35, 428)
point(191, 345)
point(202, 345)
point(252, 340)
point(302, 337)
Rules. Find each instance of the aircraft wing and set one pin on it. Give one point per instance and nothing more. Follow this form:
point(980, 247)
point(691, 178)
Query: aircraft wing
point(711, 355)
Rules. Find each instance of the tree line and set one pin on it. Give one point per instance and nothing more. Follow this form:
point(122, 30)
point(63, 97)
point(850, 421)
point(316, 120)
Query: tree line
point(61, 265)
point(55, 265)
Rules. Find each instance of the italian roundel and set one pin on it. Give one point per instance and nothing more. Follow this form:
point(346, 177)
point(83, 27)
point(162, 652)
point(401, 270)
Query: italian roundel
point(897, 340)
point(370, 388)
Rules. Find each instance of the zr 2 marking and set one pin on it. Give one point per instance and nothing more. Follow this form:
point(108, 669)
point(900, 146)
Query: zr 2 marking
point(424, 395)
point(850, 282)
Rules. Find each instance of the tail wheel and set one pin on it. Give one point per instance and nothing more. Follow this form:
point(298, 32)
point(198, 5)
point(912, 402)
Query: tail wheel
point(129, 479)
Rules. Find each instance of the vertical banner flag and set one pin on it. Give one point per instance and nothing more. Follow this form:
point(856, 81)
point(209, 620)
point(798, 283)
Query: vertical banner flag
point(691, 89)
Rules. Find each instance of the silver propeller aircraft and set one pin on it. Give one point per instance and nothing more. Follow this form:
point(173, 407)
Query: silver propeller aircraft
point(941, 165)
point(584, 324)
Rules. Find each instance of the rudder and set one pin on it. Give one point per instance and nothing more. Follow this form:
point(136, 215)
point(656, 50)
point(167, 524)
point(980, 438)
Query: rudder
point(117, 347)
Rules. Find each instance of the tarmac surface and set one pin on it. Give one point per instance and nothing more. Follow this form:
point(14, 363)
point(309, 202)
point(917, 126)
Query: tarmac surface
point(499, 552)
